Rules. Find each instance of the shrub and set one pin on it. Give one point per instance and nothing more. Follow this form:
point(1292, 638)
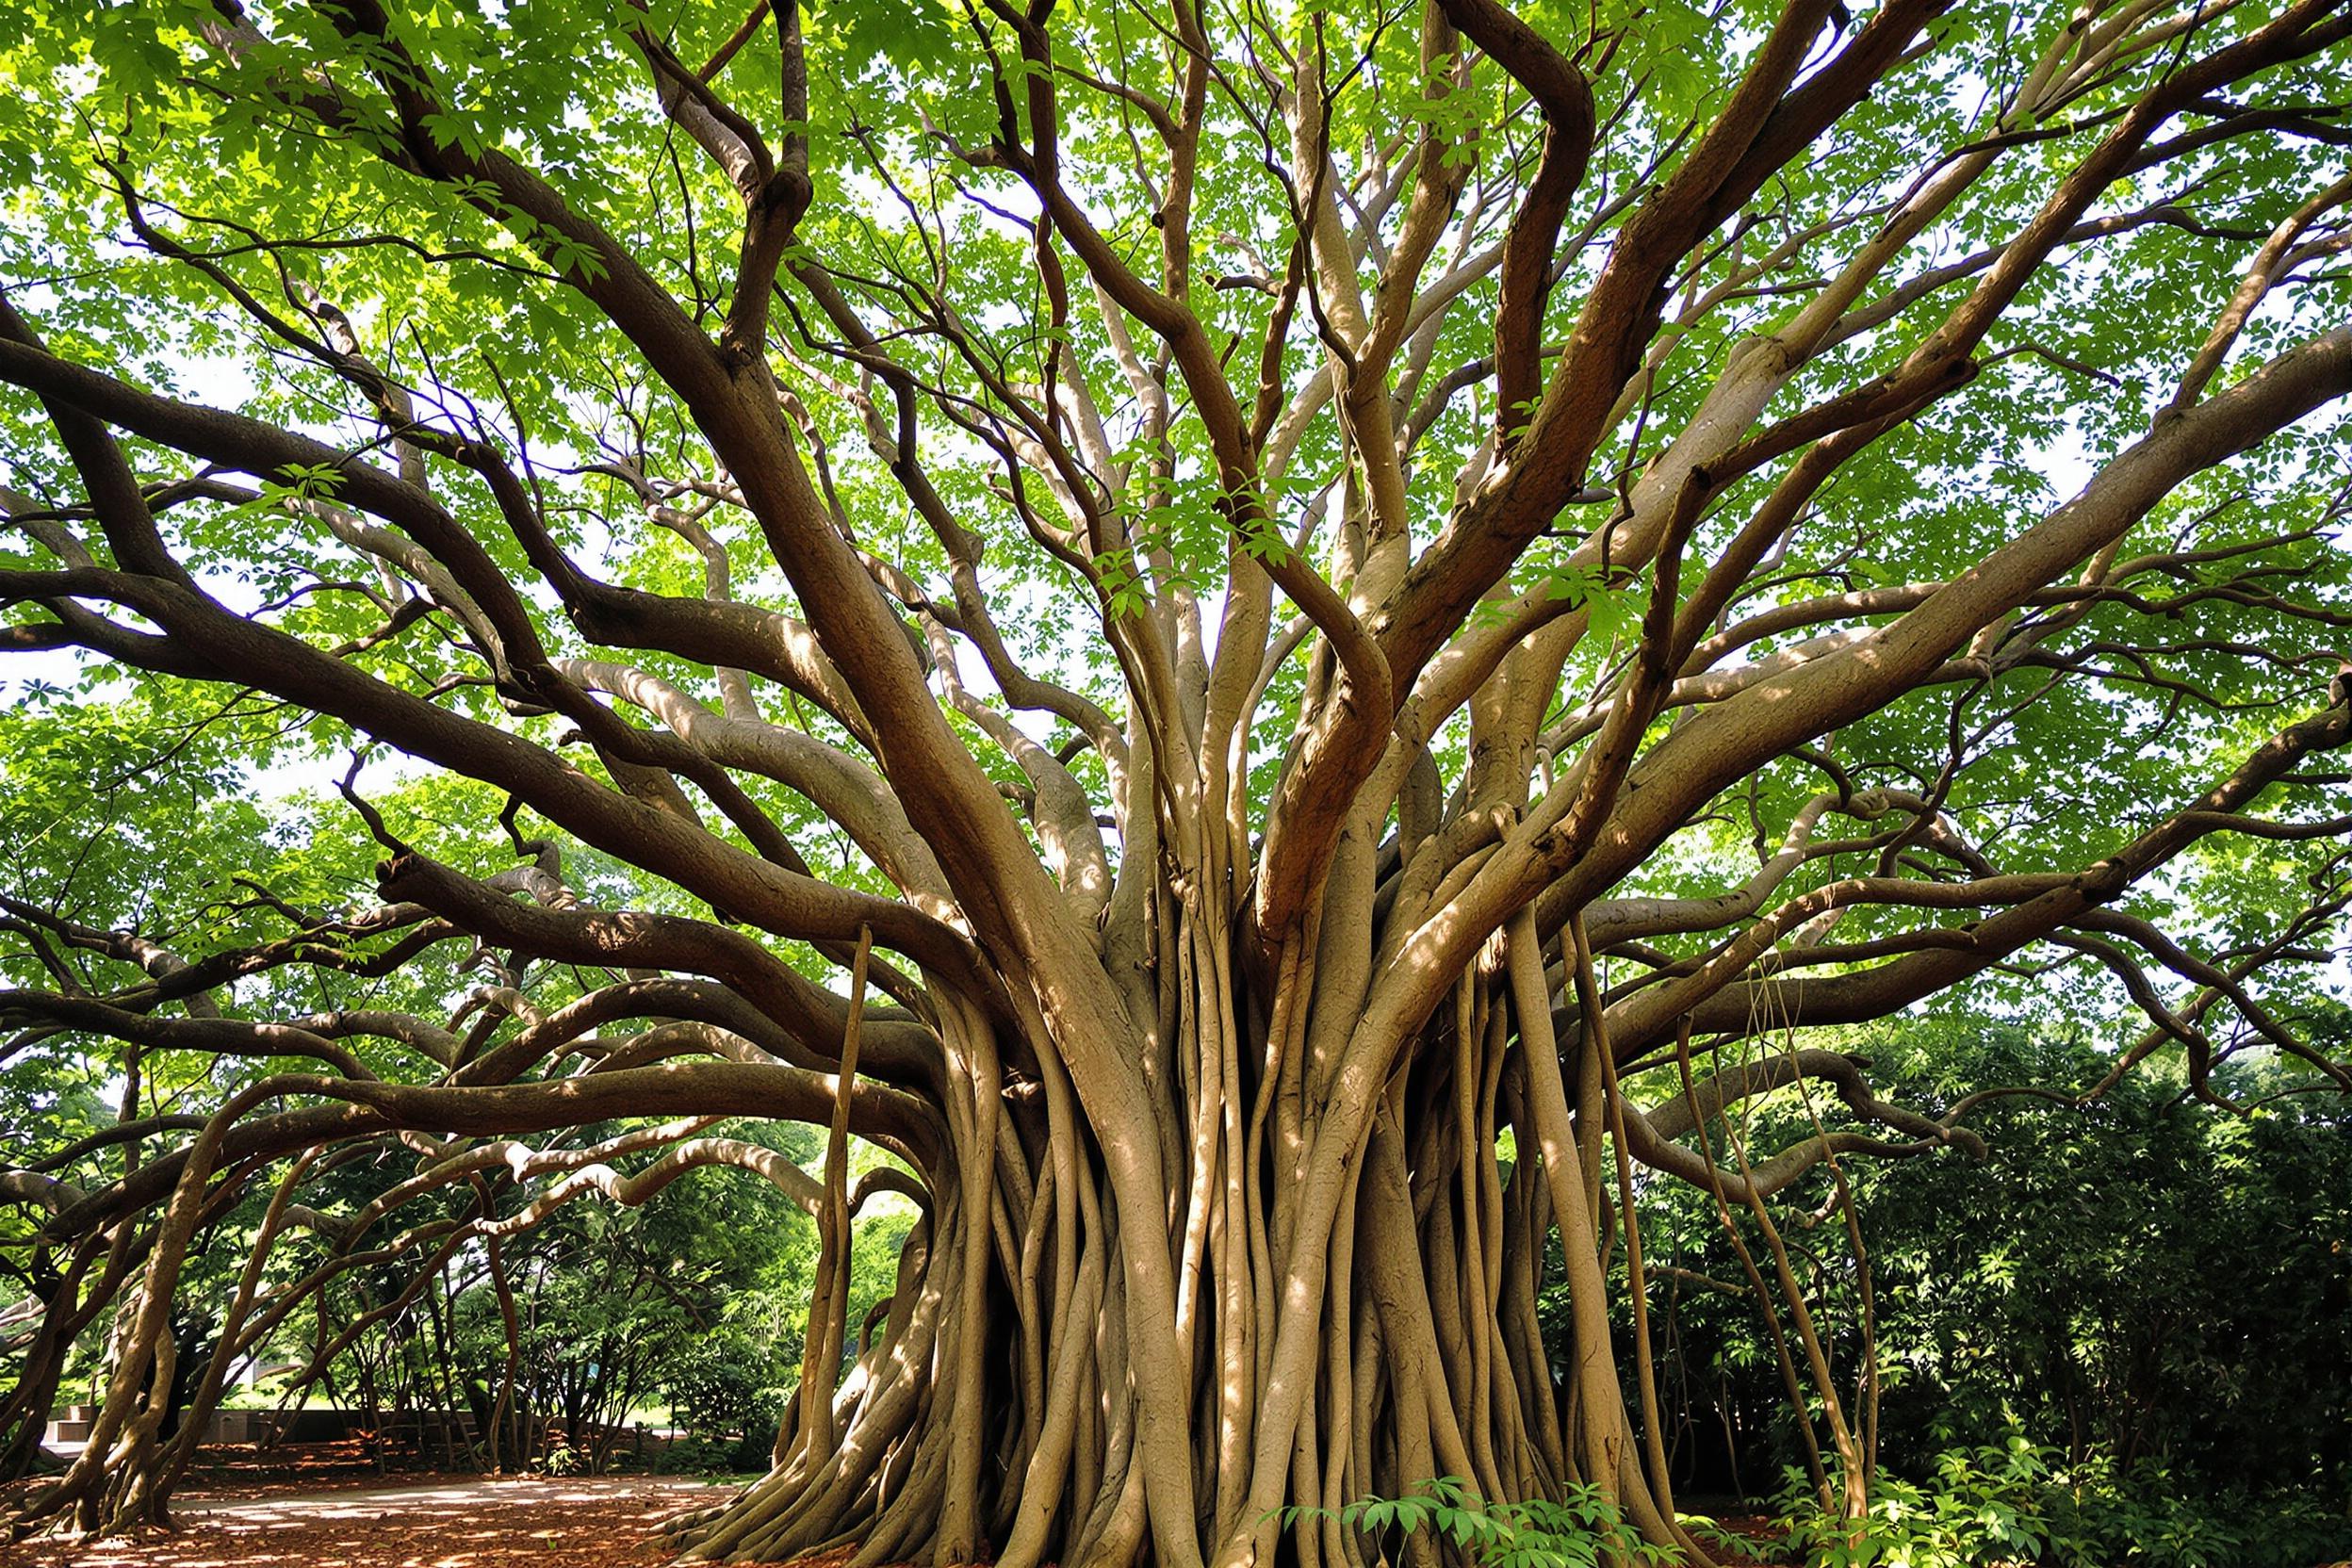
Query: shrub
point(2017, 1503)
point(699, 1455)
point(1584, 1529)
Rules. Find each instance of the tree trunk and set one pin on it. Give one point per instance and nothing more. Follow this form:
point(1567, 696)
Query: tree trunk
point(1360, 1345)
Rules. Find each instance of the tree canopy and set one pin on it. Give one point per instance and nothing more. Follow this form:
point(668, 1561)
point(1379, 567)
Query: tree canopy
point(1289, 651)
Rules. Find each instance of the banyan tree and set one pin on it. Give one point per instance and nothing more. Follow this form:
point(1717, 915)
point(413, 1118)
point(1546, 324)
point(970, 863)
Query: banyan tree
point(1286, 648)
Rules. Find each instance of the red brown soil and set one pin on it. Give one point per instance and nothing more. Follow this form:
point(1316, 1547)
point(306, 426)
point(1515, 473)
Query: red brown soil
point(332, 1506)
point(240, 1473)
point(379, 1521)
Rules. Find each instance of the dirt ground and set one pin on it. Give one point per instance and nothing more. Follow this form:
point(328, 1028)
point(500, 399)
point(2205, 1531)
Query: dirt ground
point(456, 1523)
point(327, 1517)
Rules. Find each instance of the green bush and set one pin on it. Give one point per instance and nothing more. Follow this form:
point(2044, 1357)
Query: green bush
point(1988, 1506)
point(2019, 1503)
point(718, 1453)
point(1584, 1529)
point(2142, 1276)
point(564, 1460)
point(699, 1455)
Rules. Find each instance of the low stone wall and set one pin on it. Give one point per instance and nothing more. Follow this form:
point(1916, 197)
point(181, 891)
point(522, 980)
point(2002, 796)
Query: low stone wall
point(427, 1430)
point(326, 1425)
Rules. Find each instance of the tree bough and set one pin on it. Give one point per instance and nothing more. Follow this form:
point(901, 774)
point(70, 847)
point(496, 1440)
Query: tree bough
point(1328, 622)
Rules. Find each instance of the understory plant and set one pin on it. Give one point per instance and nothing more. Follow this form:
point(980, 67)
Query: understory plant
point(2017, 1503)
point(1150, 629)
point(1584, 1528)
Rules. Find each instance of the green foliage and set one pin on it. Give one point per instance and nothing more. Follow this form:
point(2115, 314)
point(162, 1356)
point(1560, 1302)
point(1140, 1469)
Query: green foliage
point(2018, 1502)
point(2144, 1273)
point(1583, 1529)
point(704, 1455)
point(2141, 1276)
point(727, 1391)
point(1986, 1506)
point(564, 1460)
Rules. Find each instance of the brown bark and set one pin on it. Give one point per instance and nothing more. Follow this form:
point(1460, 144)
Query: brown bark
point(1197, 1058)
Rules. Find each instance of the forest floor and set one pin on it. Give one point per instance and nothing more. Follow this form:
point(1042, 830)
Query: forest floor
point(328, 1506)
point(335, 1515)
point(369, 1522)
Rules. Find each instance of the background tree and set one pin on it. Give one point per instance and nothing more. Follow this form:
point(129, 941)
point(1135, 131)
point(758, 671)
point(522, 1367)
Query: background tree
point(1178, 615)
point(2136, 1280)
